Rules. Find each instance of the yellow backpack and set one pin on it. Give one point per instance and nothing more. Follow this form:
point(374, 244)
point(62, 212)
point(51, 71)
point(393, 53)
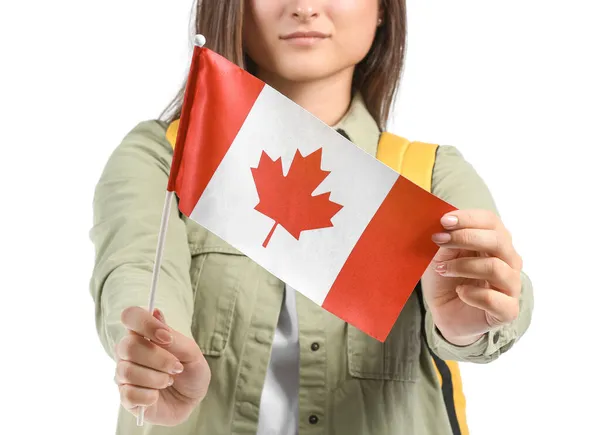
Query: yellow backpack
point(413, 160)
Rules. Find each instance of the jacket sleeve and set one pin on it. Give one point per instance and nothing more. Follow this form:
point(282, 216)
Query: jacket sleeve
point(455, 181)
point(127, 208)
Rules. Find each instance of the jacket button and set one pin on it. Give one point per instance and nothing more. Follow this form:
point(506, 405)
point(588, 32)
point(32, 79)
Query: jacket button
point(314, 346)
point(313, 419)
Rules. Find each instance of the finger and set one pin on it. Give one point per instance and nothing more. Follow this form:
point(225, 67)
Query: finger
point(491, 269)
point(483, 220)
point(501, 308)
point(491, 242)
point(474, 218)
point(128, 372)
point(137, 349)
point(142, 322)
point(133, 396)
point(159, 315)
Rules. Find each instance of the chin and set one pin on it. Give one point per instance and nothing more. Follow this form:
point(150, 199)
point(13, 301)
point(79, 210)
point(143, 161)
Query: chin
point(304, 75)
point(302, 70)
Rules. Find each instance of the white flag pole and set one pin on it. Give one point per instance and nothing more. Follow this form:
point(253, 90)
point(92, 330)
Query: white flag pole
point(160, 249)
point(199, 41)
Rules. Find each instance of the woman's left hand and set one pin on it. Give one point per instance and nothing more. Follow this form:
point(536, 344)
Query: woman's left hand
point(473, 283)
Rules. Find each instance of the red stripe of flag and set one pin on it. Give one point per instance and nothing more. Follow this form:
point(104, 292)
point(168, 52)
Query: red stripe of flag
point(217, 100)
point(388, 260)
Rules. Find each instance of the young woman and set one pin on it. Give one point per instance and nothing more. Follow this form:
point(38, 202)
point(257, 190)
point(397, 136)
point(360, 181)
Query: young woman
point(232, 349)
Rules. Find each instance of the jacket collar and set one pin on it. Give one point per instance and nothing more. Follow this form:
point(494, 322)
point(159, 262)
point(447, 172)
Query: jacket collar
point(359, 126)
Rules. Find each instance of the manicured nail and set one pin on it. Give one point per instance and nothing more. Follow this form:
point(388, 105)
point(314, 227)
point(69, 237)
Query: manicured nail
point(163, 336)
point(159, 315)
point(449, 221)
point(441, 268)
point(178, 368)
point(441, 237)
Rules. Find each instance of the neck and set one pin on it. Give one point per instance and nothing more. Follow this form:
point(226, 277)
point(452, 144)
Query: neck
point(328, 98)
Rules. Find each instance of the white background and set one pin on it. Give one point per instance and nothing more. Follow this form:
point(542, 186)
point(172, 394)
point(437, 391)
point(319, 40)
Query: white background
point(513, 84)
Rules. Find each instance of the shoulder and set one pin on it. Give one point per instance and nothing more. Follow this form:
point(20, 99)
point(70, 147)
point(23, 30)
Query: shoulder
point(449, 152)
point(148, 137)
point(151, 130)
point(455, 180)
point(450, 161)
point(143, 147)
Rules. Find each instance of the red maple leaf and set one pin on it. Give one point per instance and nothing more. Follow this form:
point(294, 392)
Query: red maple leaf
point(288, 199)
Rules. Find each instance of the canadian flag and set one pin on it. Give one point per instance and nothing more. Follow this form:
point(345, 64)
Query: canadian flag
point(295, 196)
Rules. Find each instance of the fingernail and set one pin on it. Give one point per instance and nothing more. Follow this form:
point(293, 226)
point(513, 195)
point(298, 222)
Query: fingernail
point(178, 368)
point(441, 237)
point(163, 336)
point(171, 380)
point(449, 221)
point(441, 268)
point(159, 315)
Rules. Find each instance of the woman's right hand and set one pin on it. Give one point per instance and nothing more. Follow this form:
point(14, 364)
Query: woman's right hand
point(159, 368)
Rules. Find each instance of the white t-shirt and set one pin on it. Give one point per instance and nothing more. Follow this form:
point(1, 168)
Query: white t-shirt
point(278, 412)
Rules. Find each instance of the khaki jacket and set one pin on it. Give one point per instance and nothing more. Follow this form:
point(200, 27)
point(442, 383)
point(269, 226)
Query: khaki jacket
point(230, 306)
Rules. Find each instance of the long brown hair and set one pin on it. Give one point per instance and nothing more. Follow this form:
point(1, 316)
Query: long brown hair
point(376, 77)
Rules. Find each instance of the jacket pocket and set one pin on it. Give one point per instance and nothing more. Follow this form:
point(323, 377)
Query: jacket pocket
point(216, 275)
point(396, 359)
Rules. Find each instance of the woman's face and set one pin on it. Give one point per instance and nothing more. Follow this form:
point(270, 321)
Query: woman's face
point(306, 40)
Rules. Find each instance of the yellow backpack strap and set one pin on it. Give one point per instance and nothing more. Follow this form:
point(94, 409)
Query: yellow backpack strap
point(415, 161)
point(171, 133)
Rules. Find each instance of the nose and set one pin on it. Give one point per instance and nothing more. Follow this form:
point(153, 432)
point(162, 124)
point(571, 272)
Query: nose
point(305, 13)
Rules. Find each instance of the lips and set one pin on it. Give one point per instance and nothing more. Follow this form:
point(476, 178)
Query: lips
point(304, 35)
